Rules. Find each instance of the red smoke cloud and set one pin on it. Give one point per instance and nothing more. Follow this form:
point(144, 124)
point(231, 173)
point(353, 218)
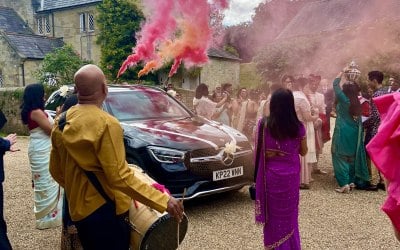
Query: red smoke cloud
point(177, 30)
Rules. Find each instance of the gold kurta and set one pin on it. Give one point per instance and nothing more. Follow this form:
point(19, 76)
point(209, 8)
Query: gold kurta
point(92, 140)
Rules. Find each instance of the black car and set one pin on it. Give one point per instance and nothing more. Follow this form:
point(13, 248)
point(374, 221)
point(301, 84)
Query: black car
point(174, 146)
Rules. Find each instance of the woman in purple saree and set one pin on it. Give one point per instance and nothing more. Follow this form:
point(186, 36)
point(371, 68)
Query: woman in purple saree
point(282, 139)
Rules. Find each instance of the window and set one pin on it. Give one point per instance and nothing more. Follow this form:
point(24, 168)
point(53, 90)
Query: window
point(86, 22)
point(47, 25)
point(43, 25)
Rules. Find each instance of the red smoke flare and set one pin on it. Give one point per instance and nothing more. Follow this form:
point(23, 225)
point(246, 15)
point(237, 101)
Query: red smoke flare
point(177, 30)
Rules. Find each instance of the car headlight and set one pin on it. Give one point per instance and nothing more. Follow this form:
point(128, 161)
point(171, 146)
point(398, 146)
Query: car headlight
point(166, 155)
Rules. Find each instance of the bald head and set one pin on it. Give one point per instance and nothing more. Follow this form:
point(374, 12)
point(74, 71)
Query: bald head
point(90, 84)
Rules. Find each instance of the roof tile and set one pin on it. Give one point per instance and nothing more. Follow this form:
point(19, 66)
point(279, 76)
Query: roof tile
point(60, 4)
point(33, 46)
point(11, 22)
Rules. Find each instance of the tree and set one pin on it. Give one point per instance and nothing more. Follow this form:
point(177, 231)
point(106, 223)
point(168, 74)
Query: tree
point(118, 22)
point(58, 67)
point(291, 56)
point(239, 37)
point(216, 18)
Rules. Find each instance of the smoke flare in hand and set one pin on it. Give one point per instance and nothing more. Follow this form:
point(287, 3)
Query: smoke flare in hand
point(177, 30)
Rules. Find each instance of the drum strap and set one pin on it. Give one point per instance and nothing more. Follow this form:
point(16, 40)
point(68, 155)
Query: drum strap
point(96, 183)
point(90, 175)
point(93, 179)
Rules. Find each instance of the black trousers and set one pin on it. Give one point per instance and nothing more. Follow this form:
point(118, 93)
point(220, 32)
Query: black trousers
point(4, 242)
point(104, 230)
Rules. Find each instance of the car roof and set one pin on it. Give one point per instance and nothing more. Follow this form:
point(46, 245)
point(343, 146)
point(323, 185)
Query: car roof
point(119, 88)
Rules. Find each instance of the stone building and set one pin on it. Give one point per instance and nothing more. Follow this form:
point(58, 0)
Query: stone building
point(22, 50)
point(75, 22)
point(222, 67)
point(72, 20)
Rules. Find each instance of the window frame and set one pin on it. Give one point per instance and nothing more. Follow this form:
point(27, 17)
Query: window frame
point(86, 22)
point(43, 25)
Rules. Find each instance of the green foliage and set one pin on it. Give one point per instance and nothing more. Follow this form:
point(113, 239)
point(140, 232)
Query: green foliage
point(231, 49)
point(58, 67)
point(118, 21)
point(194, 72)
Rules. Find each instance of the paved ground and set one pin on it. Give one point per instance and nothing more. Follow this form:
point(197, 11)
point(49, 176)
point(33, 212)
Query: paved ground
point(328, 220)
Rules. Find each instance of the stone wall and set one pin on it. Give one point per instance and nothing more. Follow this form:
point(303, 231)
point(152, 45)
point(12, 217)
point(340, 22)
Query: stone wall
point(67, 26)
point(9, 64)
point(10, 101)
point(219, 71)
point(30, 67)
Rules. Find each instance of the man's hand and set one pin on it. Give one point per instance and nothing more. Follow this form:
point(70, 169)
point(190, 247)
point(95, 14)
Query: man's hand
point(12, 138)
point(175, 209)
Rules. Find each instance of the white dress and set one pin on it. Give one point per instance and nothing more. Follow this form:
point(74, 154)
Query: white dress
point(303, 111)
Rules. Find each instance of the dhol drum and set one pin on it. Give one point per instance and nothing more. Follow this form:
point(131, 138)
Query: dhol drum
point(150, 229)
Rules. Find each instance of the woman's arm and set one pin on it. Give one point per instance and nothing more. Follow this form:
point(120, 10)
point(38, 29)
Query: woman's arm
point(222, 102)
point(341, 97)
point(303, 146)
point(41, 119)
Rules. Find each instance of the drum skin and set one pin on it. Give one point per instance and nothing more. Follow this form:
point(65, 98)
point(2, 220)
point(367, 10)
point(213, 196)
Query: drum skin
point(153, 230)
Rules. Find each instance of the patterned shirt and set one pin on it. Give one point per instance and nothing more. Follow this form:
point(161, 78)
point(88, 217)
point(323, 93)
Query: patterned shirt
point(372, 124)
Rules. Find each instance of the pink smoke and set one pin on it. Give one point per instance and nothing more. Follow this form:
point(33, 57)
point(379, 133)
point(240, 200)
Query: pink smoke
point(177, 30)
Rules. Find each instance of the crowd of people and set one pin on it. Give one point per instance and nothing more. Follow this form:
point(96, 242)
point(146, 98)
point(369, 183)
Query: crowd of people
point(84, 182)
point(293, 124)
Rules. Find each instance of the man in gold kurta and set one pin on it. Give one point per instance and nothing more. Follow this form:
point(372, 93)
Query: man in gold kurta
point(92, 140)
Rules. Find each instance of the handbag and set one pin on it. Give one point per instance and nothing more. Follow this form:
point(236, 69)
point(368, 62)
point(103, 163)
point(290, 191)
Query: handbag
point(252, 188)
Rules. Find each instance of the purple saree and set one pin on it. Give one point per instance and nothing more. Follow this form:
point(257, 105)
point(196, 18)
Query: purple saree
point(277, 191)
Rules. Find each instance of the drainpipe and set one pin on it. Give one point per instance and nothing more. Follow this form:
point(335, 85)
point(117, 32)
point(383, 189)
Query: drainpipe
point(23, 72)
point(88, 44)
point(52, 21)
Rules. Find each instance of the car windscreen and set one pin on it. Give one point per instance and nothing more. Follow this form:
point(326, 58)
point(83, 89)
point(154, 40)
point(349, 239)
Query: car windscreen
point(143, 104)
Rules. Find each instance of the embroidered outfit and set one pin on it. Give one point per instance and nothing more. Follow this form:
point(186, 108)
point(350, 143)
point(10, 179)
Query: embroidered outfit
point(348, 152)
point(239, 121)
point(371, 128)
point(317, 101)
point(277, 191)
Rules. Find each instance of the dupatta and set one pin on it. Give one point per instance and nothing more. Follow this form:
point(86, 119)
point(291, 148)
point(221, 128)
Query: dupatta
point(384, 152)
point(261, 216)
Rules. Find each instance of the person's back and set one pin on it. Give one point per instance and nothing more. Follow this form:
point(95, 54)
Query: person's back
point(277, 184)
point(290, 150)
point(88, 147)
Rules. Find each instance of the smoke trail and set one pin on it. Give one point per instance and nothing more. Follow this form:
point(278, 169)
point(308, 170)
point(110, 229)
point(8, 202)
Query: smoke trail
point(177, 30)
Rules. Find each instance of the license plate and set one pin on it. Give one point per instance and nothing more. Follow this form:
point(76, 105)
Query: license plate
point(227, 173)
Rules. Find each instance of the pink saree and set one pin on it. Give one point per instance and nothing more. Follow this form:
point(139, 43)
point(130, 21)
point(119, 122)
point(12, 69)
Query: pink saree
point(384, 151)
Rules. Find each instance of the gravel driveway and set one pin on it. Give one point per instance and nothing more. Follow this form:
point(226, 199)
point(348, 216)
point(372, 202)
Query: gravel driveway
point(327, 220)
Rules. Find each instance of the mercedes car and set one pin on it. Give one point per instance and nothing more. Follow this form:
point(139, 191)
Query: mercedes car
point(188, 154)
